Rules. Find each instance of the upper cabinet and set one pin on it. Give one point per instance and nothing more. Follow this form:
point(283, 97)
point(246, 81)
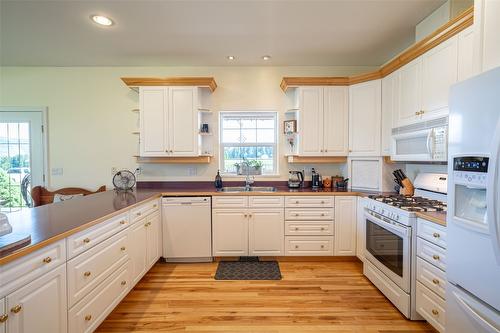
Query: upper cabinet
point(322, 120)
point(466, 54)
point(390, 99)
point(365, 118)
point(487, 38)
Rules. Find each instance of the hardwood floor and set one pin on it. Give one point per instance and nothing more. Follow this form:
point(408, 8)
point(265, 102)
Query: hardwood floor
point(311, 297)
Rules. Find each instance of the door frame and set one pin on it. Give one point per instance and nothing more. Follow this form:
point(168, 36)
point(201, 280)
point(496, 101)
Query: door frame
point(45, 140)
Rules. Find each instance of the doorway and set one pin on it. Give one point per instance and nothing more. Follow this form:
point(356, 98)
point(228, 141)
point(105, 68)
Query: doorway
point(22, 155)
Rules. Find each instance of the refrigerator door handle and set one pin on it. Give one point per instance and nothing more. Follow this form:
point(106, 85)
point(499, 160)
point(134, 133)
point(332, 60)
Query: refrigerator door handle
point(493, 179)
point(476, 315)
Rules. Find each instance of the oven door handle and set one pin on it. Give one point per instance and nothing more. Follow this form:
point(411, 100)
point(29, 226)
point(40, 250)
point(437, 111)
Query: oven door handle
point(400, 231)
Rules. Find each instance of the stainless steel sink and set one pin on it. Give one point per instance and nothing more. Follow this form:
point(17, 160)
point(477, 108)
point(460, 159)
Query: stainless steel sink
point(250, 189)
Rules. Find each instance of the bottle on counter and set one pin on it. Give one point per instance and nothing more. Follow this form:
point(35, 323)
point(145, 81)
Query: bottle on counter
point(218, 180)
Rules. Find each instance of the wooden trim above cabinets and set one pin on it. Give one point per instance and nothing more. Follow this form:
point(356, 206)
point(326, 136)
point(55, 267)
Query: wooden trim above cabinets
point(442, 34)
point(175, 160)
point(316, 159)
point(134, 82)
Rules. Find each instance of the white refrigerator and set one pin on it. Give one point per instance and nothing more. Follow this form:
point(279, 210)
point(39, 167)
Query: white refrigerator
point(473, 270)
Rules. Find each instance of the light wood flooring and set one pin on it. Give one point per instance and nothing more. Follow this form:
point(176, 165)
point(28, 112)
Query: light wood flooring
point(311, 297)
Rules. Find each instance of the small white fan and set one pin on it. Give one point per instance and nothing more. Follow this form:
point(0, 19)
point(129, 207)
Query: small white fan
point(124, 180)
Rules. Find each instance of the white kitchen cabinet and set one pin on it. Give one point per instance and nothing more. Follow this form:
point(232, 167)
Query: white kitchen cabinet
point(323, 121)
point(365, 113)
point(266, 232)
point(168, 121)
point(389, 106)
point(137, 251)
point(4, 316)
point(153, 244)
point(487, 38)
point(439, 72)
point(230, 232)
point(345, 226)
point(361, 229)
point(466, 54)
point(39, 306)
point(409, 92)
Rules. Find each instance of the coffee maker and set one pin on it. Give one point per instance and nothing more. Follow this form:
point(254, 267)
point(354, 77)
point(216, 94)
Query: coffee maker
point(295, 179)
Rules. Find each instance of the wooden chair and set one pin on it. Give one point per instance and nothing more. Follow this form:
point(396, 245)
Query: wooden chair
point(42, 196)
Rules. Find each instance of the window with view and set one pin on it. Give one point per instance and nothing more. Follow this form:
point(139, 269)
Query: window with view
point(248, 140)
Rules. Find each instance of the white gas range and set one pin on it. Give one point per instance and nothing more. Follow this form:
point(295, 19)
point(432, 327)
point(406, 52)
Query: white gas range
point(391, 239)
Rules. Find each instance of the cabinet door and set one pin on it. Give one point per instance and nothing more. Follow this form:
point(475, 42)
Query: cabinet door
point(465, 54)
point(336, 121)
point(311, 121)
point(230, 232)
point(490, 41)
point(365, 118)
point(361, 232)
point(345, 226)
point(138, 252)
point(153, 239)
point(439, 72)
point(409, 81)
point(266, 232)
point(39, 306)
point(389, 103)
point(3, 315)
point(153, 120)
point(182, 122)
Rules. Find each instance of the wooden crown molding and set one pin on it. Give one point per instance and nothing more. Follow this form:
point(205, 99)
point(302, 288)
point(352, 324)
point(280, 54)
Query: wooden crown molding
point(445, 32)
point(134, 82)
point(175, 160)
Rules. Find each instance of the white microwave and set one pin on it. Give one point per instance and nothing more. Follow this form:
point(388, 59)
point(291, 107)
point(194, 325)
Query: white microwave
point(423, 142)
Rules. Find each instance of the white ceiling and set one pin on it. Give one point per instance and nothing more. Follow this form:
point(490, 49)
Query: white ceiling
point(203, 33)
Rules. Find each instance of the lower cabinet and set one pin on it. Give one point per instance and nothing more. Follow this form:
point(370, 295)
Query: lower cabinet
point(309, 246)
point(39, 306)
point(360, 229)
point(266, 228)
point(345, 226)
point(153, 234)
point(3, 315)
point(230, 232)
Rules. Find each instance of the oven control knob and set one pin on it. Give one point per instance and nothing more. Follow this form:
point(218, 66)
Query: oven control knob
point(383, 211)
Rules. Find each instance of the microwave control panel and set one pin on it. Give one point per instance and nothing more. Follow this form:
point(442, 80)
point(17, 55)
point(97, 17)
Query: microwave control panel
point(471, 170)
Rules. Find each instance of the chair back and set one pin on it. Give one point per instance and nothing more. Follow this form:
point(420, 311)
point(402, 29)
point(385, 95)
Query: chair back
point(42, 196)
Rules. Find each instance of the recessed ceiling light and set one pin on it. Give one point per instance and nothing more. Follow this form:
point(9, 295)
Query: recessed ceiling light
point(231, 57)
point(266, 57)
point(102, 20)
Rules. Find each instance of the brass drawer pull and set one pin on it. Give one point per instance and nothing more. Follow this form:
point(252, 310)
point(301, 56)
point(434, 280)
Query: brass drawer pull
point(296, 246)
point(436, 235)
point(3, 318)
point(435, 312)
point(87, 274)
point(322, 214)
point(124, 283)
point(88, 317)
point(123, 248)
point(322, 229)
point(296, 228)
point(155, 205)
point(322, 246)
point(435, 257)
point(322, 201)
point(297, 201)
point(123, 222)
point(138, 214)
point(296, 214)
point(47, 260)
point(435, 281)
point(86, 240)
point(16, 309)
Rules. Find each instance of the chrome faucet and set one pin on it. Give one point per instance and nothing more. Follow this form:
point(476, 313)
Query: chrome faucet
point(248, 180)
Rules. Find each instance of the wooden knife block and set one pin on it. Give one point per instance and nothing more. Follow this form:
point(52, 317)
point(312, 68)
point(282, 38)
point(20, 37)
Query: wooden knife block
point(407, 188)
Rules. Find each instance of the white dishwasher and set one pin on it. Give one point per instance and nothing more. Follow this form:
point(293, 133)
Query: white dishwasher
point(187, 229)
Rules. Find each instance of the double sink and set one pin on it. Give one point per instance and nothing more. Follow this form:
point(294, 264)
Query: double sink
point(248, 189)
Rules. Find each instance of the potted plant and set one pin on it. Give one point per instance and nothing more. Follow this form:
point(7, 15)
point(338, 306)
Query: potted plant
point(252, 167)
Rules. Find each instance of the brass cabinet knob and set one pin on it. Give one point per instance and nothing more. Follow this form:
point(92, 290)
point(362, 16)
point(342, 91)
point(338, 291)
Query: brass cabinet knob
point(435, 281)
point(245, 215)
point(87, 274)
point(436, 235)
point(3, 318)
point(296, 214)
point(297, 202)
point(123, 222)
point(249, 215)
point(321, 150)
point(88, 317)
point(138, 213)
point(322, 201)
point(296, 246)
point(435, 312)
point(123, 248)
point(124, 283)
point(86, 240)
point(435, 257)
point(47, 260)
point(16, 309)
point(296, 228)
point(322, 214)
point(350, 150)
point(322, 228)
point(322, 246)
point(326, 150)
point(155, 205)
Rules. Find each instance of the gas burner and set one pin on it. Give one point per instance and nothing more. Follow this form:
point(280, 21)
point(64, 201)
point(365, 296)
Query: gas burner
point(411, 204)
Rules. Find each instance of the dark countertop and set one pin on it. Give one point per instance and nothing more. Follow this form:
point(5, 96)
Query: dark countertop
point(50, 223)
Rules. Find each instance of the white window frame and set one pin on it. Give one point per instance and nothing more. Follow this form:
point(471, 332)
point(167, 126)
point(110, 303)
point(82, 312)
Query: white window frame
point(249, 113)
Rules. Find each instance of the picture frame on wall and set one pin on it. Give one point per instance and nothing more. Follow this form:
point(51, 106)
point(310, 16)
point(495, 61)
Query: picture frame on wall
point(290, 126)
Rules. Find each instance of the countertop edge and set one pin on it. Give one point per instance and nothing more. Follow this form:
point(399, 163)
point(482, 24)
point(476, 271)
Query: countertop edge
point(431, 218)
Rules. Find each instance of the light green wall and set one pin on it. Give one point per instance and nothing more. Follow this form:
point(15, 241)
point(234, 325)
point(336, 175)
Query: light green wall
point(90, 121)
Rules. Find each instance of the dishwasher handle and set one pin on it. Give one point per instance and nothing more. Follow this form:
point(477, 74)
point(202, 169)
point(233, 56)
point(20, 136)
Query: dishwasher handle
point(186, 201)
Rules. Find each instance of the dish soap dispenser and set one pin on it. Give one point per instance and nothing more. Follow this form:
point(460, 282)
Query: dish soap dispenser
point(218, 181)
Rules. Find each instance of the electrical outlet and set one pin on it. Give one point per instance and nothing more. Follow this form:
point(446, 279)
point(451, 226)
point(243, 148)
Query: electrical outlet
point(56, 171)
point(138, 171)
point(192, 171)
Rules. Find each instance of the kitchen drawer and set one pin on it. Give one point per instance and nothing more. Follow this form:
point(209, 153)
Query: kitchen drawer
point(432, 277)
point(88, 238)
point(309, 201)
point(230, 201)
point(431, 253)
point(89, 269)
point(26, 269)
point(317, 214)
point(432, 232)
point(145, 209)
point(94, 308)
point(266, 201)
point(308, 228)
point(431, 307)
point(309, 245)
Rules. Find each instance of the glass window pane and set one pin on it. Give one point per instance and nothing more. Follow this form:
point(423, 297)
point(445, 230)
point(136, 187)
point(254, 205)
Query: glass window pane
point(13, 151)
point(248, 123)
point(249, 153)
point(24, 132)
point(265, 135)
point(3, 133)
point(248, 136)
point(265, 123)
point(230, 123)
point(265, 152)
point(13, 129)
point(231, 136)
